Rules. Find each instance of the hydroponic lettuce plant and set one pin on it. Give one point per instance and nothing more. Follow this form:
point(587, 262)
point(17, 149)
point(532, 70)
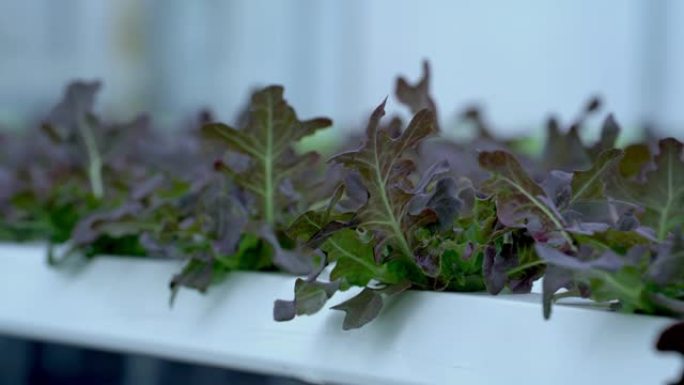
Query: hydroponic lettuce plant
point(379, 179)
point(230, 211)
point(388, 228)
point(270, 182)
point(74, 165)
point(640, 261)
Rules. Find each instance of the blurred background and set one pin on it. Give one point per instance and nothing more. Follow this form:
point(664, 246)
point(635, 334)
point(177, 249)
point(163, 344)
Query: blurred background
point(520, 61)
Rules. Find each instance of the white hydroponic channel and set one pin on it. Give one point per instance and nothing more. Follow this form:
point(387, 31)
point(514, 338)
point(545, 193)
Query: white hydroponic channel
point(121, 304)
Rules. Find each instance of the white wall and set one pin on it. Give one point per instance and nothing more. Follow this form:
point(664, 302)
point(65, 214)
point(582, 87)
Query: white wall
point(672, 112)
point(521, 60)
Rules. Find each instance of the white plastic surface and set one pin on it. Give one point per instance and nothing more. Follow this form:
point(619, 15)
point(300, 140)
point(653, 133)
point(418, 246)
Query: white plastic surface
point(121, 304)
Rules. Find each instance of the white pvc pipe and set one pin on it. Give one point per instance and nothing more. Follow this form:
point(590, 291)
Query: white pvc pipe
point(121, 304)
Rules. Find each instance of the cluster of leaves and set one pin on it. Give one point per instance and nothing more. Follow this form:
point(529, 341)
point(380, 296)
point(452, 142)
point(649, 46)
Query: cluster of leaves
point(73, 165)
point(217, 197)
point(417, 211)
point(405, 209)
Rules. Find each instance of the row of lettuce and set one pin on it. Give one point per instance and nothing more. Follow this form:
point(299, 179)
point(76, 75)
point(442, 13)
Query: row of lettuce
point(399, 207)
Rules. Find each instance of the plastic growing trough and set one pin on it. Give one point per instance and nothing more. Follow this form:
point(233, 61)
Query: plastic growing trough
point(121, 304)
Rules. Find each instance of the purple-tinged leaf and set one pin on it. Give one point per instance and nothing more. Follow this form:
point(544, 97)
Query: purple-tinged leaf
point(518, 200)
point(555, 278)
point(417, 96)
point(360, 309)
point(579, 198)
point(284, 310)
point(563, 150)
point(365, 306)
point(558, 187)
point(73, 111)
point(97, 224)
point(495, 266)
point(384, 168)
point(197, 274)
point(310, 297)
point(442, 199)
point(502, 268)
point(297, 261)
point(445, 203)
point(608, 261)
point(428, 259)
point(609, 134)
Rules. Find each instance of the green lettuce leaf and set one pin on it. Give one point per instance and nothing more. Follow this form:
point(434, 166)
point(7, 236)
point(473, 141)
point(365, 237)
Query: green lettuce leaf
point(661, 193)
point(267, 139)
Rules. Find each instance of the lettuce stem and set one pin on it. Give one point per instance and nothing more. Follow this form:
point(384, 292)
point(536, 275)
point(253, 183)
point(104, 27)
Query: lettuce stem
point(94, 159)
